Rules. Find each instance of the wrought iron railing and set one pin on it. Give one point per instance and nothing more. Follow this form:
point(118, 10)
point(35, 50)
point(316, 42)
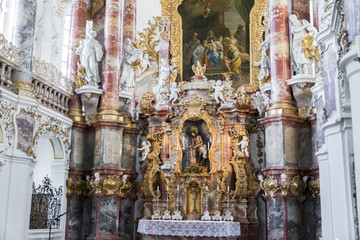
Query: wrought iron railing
point(45, 205)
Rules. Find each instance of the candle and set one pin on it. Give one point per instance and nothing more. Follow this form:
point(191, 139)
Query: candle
point(207, 188)
point(157, 189)
point(217, 188)
point(178, 187)
point(228, 188)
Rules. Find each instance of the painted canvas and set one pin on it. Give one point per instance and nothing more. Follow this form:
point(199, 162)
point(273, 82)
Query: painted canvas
point(216, 34)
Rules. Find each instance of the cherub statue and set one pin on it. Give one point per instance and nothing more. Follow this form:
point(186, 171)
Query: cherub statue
point(300, 29)
point(218, 95)
point(244, 146)
point(145, 148)
point(90, 52)
point(174, 93)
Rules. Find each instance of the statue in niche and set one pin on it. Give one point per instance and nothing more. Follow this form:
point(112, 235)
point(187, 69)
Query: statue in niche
point(131, 55)
point(198, 151)
point(91, 53)
point(300, 29)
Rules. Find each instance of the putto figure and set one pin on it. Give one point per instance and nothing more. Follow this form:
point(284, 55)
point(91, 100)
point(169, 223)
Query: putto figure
point(90, 52)
point(244, 146)
point(145, 148)
point(218, 95)
point(300, 29)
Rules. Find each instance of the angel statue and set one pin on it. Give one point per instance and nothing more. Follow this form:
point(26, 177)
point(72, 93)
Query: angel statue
point(244, 146)
point(218, 95)
point(145, 148)
point(174, 93)
point(301, 30)
point(90, 52)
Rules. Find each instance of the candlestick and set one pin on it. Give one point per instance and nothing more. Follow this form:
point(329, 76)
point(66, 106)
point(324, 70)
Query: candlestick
point(177, 213)
point(156, 215)
point(167, 215)
point(206, 216)
point(228, 216)
point(217, 216)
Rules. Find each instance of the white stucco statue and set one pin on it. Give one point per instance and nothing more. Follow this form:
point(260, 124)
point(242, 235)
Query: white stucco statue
point(299, 29)
point(131, 55)
point(260, 101)
point(218, 95)
point(264, 63)
point(145, 148)
point(90, 52)
point(174, 93)
point(244, 146)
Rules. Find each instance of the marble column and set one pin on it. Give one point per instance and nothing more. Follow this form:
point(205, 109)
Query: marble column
point(75, 199)
point(18, 166)
point(113, 37)
point(74, 195)
point(23, 33)
point(77, 32)
point(130, 20)
point(282, 132)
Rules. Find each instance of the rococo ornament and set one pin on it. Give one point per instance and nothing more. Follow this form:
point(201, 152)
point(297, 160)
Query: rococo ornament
point(111, 184)
point(269, 186)
point(314, 187)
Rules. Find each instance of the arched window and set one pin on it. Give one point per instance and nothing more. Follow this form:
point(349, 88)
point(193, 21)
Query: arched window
point(7, 19)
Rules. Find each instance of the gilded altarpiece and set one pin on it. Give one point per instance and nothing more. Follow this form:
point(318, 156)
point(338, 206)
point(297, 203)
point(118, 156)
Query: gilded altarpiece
point(209, 140)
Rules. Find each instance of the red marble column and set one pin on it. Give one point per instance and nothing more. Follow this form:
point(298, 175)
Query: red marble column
point(113, 54)
point(130, 20)
point(280, 50)
point(77, 32)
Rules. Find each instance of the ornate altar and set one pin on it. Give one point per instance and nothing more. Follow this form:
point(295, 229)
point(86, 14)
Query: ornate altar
point(199, 122)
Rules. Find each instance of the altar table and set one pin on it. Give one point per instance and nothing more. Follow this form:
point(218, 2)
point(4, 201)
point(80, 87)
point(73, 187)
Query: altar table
point(171, 229)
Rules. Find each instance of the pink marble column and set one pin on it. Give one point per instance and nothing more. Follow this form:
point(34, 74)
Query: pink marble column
point(113, 54)
point(77, 32)
point(280, 50)
point(130, 20)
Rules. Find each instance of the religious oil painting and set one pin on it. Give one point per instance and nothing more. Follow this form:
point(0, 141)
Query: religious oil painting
point(196, 144)
point(216, 34)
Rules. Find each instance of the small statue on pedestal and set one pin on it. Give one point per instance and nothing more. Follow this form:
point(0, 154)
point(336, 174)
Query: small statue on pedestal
point(302, 30)
point(90, 52)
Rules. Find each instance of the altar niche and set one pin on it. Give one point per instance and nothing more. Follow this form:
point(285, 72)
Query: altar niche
point(216, 33)
point(195, 142)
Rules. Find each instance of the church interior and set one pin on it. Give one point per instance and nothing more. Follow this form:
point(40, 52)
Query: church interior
point(179, 119)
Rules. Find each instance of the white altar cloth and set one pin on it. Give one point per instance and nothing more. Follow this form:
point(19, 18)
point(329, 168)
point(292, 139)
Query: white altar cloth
point(189, 228)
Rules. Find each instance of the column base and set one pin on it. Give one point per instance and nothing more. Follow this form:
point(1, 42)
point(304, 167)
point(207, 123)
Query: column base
point(281, 108)
point(109, 114)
